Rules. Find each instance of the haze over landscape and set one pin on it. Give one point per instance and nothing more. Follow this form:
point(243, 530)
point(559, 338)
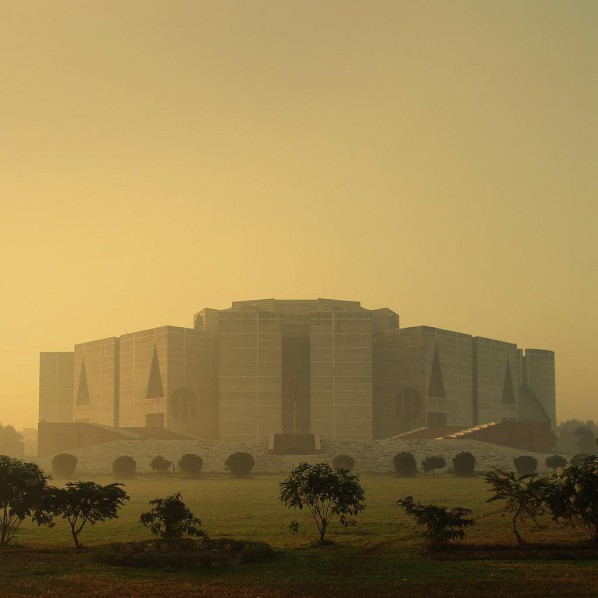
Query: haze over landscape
point(439, 159)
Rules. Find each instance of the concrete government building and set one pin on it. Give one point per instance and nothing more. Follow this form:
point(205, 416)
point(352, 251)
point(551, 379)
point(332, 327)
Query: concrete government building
point(325, 367)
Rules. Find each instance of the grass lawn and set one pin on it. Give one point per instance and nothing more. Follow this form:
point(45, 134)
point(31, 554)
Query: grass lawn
point(381, 556)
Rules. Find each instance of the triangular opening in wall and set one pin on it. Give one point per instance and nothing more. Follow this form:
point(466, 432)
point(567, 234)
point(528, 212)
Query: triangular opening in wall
point(508, 391)
point(154, 385)
point(436, 388)
point(82, 388)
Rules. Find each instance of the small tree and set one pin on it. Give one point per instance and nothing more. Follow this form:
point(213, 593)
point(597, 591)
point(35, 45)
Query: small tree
point(464, 464)
point(160, 464)
point(572, 495)
point(170, 519)
point(524, 495)
point(87, 502)
point(240, 464)
point(64, 465)
point(11, 442)
point(22, 489)
point(584, 439)
point(405, 464)
point(124, 466)
point(343, 462)
point(555, 461)
point(325, 492)
point(191, 464)
point(442, 524)
point(433, 462)
point(525, 464)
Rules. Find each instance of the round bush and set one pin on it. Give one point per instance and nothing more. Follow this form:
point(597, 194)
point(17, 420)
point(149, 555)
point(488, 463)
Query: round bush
point(191, 464)
point(525, 464)
point(240, 464)
point(405, 464)
point(160, 464)
point(578, 459)
point(556, 461)
point(343, 462)
point(124, 466)
point(464, 463)
point(64, 465)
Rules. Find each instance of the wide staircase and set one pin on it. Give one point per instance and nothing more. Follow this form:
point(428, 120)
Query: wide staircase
point(467, 431)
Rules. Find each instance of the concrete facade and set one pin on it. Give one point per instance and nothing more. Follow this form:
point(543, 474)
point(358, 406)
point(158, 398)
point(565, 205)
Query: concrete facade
point(322, 366)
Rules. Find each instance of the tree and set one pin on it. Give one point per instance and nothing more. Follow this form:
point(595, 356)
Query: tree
point(191, 464)
point(584, 439)
point(525, 464)
point(86, 502)
point(433, 462)
point(442, 524)
point(170, 519)
point(160, 464)
point(240, 464)
point(343, 462)
point(11, 442)
point(405, 464)
point(22, 489)
point(566, 434)
point(524, 495)
point(578, 458)
point(572, 495)
point(326, 493)
point(555, 461)
point(124, 466)
point(464, 463)
point(64, 465)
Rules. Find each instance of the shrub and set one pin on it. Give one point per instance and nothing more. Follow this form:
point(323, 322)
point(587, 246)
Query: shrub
point(572, 495)
point(64, 465)
point(191, 464)
point(442, 524)
point(326, 492)
point(464, 463)
point(160, 464)
point(124, 466)
point(170, 519)
point(578, 459)
point(240, 464)
point(433, 462)
point(405, 464)
point(343, 462)
point(525, 464)
point(555, 461)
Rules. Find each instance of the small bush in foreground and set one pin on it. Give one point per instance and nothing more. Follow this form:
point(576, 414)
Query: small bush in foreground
point(433, 462)
point(464, 464)
point(240, 464)
point(170, 519)
point(160, 464)
point(343, 462)
point(404, 464)
point(442, 524)
point(124, 466)
point(64, 465)
point(525, 464)
point(191, 464)
point(326, 492)
point(555, 461)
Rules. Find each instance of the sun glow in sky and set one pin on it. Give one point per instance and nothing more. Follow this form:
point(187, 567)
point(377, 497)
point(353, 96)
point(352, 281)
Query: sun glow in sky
point(158, 157)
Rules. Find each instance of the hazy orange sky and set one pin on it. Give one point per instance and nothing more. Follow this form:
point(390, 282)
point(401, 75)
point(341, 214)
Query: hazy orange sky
point(438, 158)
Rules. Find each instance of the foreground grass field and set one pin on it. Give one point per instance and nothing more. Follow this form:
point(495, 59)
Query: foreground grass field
point(379, 557)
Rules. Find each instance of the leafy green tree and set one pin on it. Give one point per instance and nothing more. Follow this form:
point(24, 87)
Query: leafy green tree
point(464, 464)
point(433, 462)
point(160, 464)
point(442, 524)
point(525, 464)
point(64, 465)
point(191, 464)
point(584, 439)
point(22, 490)
point(405, 464)
point(240, 464)
point(572, 495)
point(325, 492)
point(81, 503)
point(555, 461)
point(524, 495)
point(170, 519)
point(11, 442)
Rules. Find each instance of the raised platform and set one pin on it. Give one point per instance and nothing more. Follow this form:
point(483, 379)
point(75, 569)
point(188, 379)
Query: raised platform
point(294, 444)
